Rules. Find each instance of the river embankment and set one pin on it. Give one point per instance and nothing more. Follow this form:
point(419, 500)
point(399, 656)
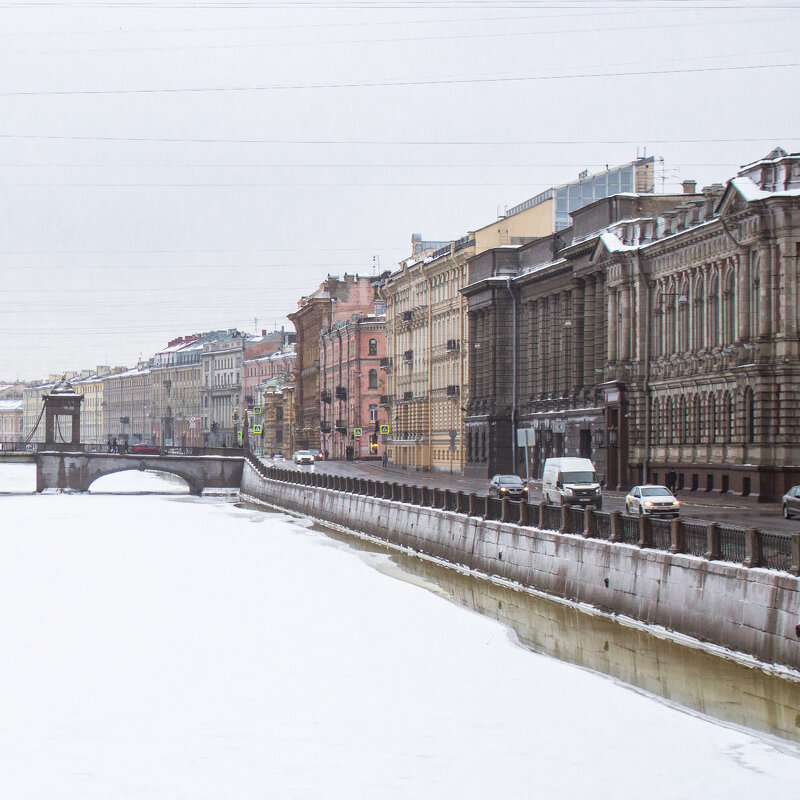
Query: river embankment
point(753, 611)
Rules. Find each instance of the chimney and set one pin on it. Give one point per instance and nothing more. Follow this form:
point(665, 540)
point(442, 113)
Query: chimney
point(689, 187)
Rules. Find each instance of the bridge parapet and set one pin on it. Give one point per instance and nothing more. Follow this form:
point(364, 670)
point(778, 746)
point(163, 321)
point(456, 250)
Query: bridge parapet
point(77, 471)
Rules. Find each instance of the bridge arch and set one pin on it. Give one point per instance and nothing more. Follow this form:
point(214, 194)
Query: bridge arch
point(177, 485)
point(101, 469)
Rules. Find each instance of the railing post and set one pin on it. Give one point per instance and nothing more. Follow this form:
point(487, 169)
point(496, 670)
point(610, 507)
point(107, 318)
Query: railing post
point(712, 534)
point(615, 522)
point(564, 519)
point(473, 505)
point(589, 525)
point(446, 500)
point(644, 531)
point(677, 536)
point(752, 547)
point(486, 507)
point(504, 510)
point(523, 512)
point(542, 513)
point(794, 567)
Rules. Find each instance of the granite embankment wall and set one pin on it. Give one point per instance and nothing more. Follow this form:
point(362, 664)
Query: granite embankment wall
point(751, 610)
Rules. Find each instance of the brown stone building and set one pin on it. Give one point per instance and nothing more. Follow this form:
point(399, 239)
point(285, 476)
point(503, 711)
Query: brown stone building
point(657, 332)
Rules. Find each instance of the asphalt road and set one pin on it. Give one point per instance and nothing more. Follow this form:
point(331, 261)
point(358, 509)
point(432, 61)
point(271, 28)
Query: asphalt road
point(712, 507)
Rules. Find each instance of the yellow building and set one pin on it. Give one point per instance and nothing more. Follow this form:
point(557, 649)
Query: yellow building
point(518, 225)
point(426, 358)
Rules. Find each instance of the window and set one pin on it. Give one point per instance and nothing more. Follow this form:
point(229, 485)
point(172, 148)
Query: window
point(373, 379)
point(373, 347)
point(373, 412)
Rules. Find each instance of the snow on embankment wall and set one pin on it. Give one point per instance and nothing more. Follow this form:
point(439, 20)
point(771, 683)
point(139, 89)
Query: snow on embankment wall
point(754, 611)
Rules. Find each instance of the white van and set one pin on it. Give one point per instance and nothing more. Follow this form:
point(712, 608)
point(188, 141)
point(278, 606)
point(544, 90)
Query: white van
point(568, 481)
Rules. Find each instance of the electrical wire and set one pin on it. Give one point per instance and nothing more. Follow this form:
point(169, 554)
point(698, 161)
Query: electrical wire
point(278, 87)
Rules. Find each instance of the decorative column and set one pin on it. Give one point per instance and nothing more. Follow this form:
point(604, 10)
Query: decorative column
point(612, 325)
point(764, 305)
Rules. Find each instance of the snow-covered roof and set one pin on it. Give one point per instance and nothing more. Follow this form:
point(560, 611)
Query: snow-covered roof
point(751, 192)
point(10, 405)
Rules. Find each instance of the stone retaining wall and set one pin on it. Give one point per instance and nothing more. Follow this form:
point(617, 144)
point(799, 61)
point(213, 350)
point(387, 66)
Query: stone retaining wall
point(754, 611)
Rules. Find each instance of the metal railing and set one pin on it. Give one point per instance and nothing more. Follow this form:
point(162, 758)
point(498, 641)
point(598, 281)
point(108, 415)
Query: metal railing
point(729, 543)
point(661, 534)
point(575, 520)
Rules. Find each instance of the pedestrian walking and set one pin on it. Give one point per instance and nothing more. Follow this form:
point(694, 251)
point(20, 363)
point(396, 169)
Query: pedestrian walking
point(114, 445)
point(385, 459)
point(109, 445)
point(671, 480)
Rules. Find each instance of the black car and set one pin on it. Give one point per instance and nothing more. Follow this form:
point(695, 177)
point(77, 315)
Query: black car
point(791, 502)
point(511, 486)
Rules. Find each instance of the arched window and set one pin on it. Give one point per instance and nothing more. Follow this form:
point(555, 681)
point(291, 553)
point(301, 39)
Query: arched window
point(669, 430)
point(698, 419)
point(683, 422)
point(698, 315)
point(373, 379)
point(658, 324)
point(712, 418)
point(714, 331)
point(655, 423)
point(729, 309)
point(683, 318)
point(727, 418)
point(373, 347)
point(749, 416)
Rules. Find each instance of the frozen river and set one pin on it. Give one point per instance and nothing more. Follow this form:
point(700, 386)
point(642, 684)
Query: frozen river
point(170, 647)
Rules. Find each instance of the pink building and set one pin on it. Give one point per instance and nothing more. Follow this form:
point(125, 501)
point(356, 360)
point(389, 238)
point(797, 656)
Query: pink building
point(352, 387)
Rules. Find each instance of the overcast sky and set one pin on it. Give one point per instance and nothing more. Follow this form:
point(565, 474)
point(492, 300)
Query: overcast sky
point(173, 167)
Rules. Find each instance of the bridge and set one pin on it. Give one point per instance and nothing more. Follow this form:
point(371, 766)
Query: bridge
point(56, 469)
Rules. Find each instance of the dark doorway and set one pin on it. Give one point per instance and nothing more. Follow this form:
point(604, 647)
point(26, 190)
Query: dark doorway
point(585, 443)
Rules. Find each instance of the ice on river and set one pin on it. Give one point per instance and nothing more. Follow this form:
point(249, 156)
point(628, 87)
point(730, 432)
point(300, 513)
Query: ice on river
point(168, 647)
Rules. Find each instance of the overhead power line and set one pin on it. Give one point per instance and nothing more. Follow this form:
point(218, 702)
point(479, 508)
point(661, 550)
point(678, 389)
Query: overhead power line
point(393, 83)
point(402, 142)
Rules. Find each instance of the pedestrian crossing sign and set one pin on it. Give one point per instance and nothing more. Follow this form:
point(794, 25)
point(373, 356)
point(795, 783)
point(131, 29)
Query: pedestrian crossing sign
point(357, 431)
point(256, 409)
point(257, 428)
point(385, 430)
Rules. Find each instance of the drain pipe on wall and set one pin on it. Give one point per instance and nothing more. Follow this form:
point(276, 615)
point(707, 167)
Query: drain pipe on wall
point(513, 376)
point(646, 375)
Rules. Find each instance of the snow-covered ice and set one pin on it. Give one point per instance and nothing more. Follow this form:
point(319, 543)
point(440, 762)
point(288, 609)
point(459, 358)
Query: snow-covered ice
point(175, 647)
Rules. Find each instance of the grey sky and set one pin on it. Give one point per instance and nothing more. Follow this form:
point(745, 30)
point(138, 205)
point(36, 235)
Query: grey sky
point(171, 167)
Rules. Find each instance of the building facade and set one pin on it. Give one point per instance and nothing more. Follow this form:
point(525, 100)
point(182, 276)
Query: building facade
point(129, 410)
point(334, 301)
point(426, 340)
point(352, 386)
point(658, 332)
point(221, 388)
point(10, 423)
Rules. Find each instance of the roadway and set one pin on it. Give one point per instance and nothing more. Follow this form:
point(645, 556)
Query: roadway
point(706, 507)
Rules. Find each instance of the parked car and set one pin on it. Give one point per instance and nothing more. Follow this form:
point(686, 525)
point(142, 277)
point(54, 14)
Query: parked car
point(571, 481)
point(511, 486)
point(652, 501)
point(791, 502)
point(278, 457)
point(144, 449)
point(303, 457)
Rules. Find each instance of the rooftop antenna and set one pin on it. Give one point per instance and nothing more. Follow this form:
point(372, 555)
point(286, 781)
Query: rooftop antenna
point(376, 264)
point(255, 325)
